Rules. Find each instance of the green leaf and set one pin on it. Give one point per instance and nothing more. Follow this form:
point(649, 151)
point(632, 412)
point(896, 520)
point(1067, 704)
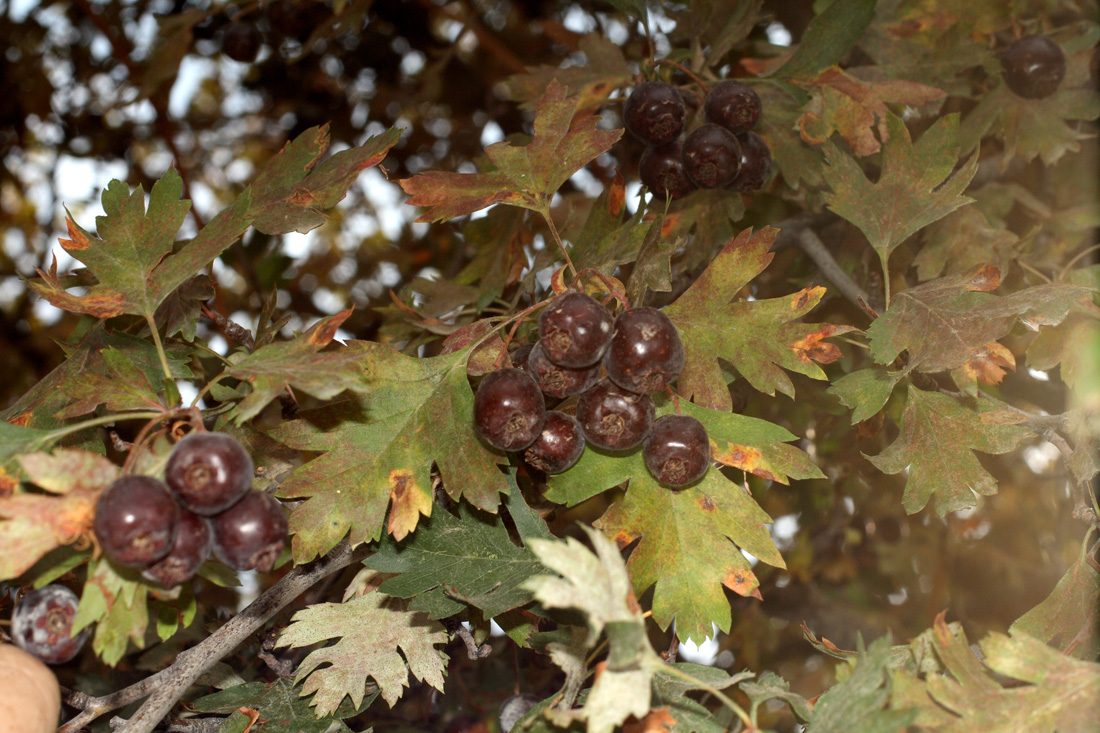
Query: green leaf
point(962, 241)
point(605, 70)
point(918, 184)
point(829, 37)
point(771, 686)
point(936, 443)
point(117, 607)
point(379, 448)
point(371, 629)
point(865, 391)
point(14, 440)
point(717, 25)
point(691, 716)
point(124, 387)
point(1067, 619)
point(279, 701)
point(860, 702)
point(470, 558)
point(522, 176)
point(757, 337)
point(1068, 346)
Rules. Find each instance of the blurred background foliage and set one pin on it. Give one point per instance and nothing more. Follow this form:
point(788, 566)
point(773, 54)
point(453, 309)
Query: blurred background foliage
point(93, 91)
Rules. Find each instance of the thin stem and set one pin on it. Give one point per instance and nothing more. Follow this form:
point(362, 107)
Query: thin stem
point(725, 699)
point(1075, 260)
point(808, 241)
point(160, 348)
point(206, 388)
point(102, 420)
point(1035, 272)
point(557, 238)
point(687, 72)
point(885, 282)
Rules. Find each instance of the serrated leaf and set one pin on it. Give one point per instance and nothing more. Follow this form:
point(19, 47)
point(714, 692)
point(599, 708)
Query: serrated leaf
point(860, 702)
point(830, 35)
point(946, 322)
point(962, 241)
point(1068, 619)
point(468, 558)
point(124, 387)
point(865, 391)
point(771, 686)
point(936, 443)
point(522, 176)
point(918, 184)
point(757, 337)
point(380, 446)
point(717, 25)
point(280, 701)
point(371, 629)
point(1067, 345)
point(691, 716)
point(605, 70)
point(117, 607)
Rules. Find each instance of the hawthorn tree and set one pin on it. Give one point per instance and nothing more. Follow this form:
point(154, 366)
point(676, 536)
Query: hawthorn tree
point(890, 336)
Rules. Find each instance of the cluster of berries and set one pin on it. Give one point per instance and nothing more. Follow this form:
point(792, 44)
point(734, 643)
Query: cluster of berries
point(205, 503)
point(721, 153)
point(612, 365)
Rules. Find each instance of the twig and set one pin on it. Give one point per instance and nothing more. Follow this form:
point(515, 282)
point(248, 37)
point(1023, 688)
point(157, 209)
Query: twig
point(166, 687)
point(473, 651)
point(808, 241)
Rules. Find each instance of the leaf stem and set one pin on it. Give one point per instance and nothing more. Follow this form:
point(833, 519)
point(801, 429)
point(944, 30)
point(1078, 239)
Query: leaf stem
point(885, 282)
point(60, 433)
point(686, 71)
point(1076, 259)
point(557, 238)
point(722, 697)
point(206, 388)
point(160, 348)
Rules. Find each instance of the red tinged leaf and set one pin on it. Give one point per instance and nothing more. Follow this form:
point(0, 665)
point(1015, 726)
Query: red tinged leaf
point(525, 176)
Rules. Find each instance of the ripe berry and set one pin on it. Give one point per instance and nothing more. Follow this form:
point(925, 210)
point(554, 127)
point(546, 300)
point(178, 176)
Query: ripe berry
point(519, 356)
point(42, 624)
point(135, 520)
point(655, 112)
point(509, 409)
point(733, 105)
point(575, 330)
point(242, 41)
point(250, 535)
point(558, 381)
point(559, 445)
point(188, 553)
point(662, 172)
point(1033, 66)
point(756, 164)
point(677, 450)
point(712, 156)
point(646, 352)
point(209, 472)
point(613, 418)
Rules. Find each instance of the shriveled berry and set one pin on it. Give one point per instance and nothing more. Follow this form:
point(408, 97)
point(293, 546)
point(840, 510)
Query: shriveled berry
point(42, 624)
point(646, 353)
point(559, 445)
point(712, 156)
point(209, 472)
point(655, 112)
point(1034, 67)
point(509, 409)
point(575, 330)
point(677, 450)
point(190, 550)
point(613, 418)
point(250, 535)
point(242, 41)
point(135, 520)
point(558, 381)
point(733, 105)
point(756, 164)
point(661, 170)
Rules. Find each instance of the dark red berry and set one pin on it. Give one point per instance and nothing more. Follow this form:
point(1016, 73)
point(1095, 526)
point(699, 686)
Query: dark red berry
point(209, 472)
point(558, 381)
point(613, 418)
point(135, 520)
point(250, 535)
point(575, 330)
point(712, 156)
point(661, 170)
point(733, 105)
point(1033, 66)
point(42, 624)
point(509, 409)
point(654, 112)
point(756, 164)
point(559, 445)
point(646, 352)
point(190, 550)
point(519, 356)
point(677, 450)
point(242, 41)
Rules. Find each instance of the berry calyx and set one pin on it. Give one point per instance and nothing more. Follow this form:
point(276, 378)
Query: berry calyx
point(190, 550)
point(558, 381)
point(1034, 67)
point(209, 472)
point(661, 170)
point(509, 409)
point(733, 105)
point(756, 164)
point(250, 535)
point(655, 112)
point(559, 445)
point(42, 624)
point(677, 450)
point(574, 330)
point(613, 418)
point(135, 520)
point(646, 353)
point(712, 156)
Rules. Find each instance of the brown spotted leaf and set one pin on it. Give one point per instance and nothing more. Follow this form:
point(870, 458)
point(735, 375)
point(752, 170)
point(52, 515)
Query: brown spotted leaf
point(379, 447)
point(758, 337)
point(605, 71)
point(526, 176)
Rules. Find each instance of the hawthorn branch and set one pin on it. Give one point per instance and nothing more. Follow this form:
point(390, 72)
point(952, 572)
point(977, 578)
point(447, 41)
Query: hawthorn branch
point(166, 687)
point(808, 241)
